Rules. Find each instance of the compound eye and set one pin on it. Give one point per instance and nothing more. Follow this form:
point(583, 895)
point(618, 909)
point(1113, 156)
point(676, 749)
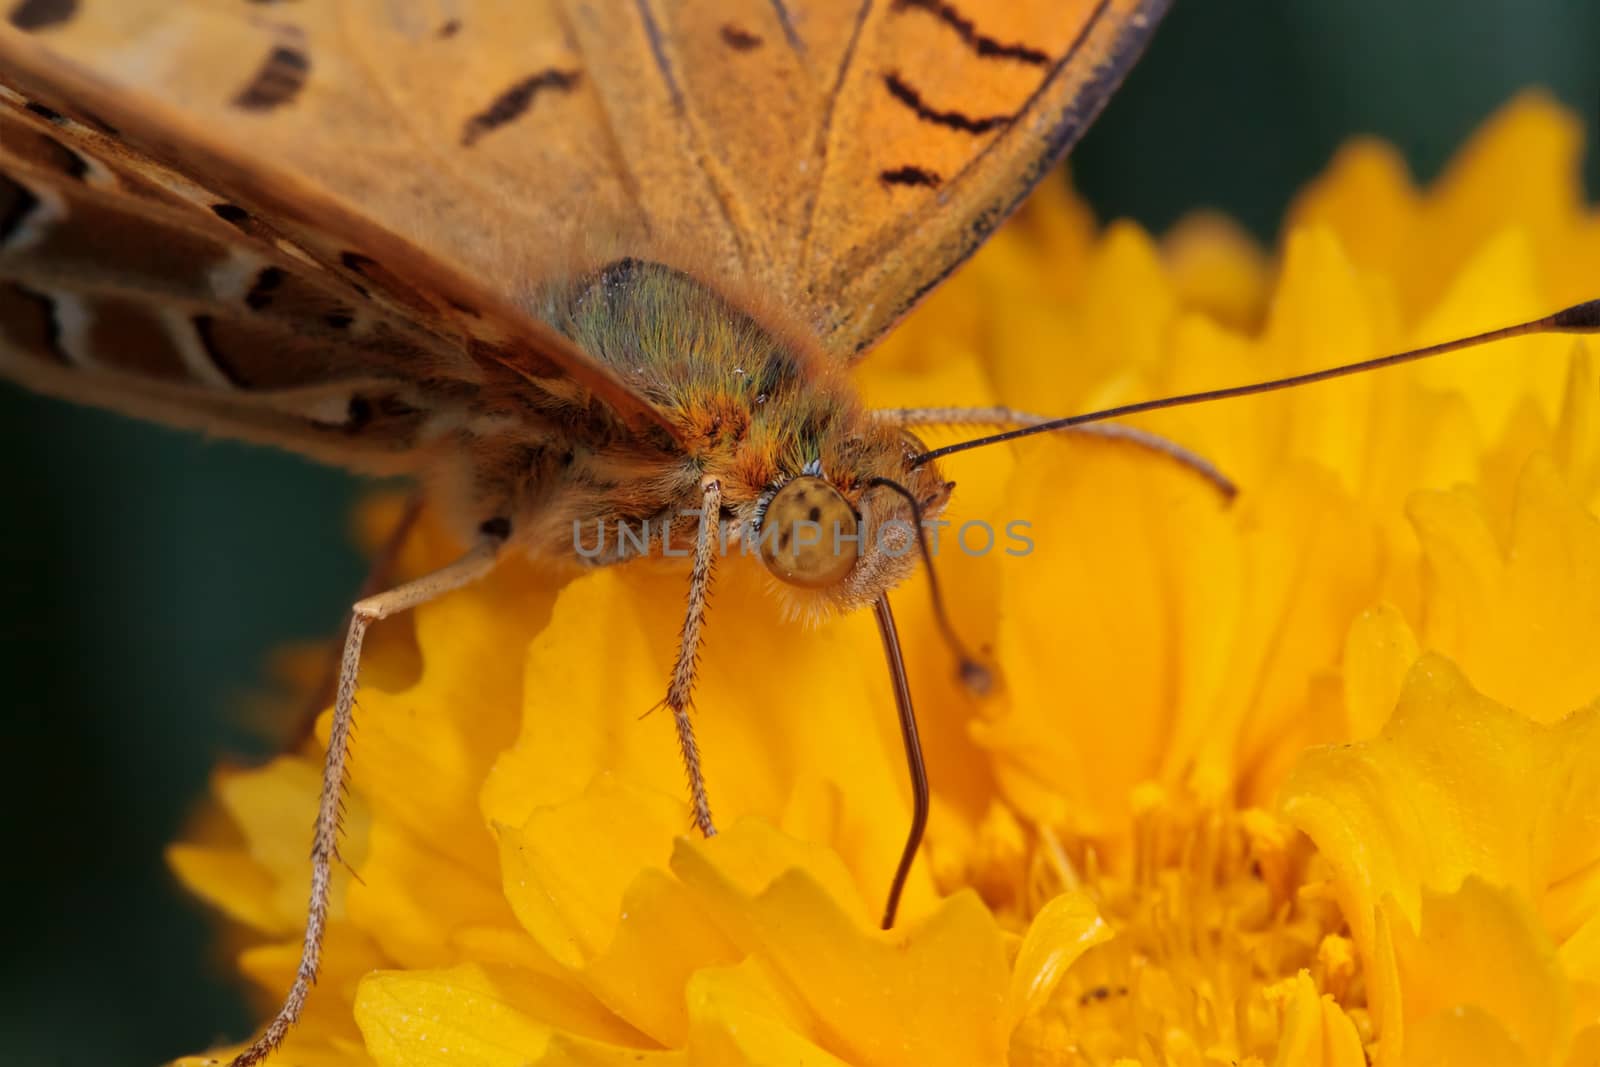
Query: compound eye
point(809, 535)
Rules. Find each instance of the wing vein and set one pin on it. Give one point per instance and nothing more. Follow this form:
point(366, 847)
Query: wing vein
point(780, 11)
point(847, 267)
point(721, 192)
point(819, 153)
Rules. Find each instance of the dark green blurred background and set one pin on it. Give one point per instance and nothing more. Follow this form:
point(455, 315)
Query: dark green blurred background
point(144, 575)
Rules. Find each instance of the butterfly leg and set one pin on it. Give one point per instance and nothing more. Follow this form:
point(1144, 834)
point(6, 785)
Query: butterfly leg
point(376, 581)
point(681, 689)
point(325, 842)
point(1107, 431)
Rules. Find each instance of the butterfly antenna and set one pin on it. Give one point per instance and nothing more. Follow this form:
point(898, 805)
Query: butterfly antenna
point(1579, 318)
point(974, 675)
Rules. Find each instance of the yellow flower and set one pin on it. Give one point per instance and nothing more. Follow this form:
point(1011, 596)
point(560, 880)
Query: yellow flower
point(1304, 779)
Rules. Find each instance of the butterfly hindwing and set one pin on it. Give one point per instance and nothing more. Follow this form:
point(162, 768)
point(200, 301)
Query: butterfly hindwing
point(127, 285)
point(204, 289)
point(839, 157)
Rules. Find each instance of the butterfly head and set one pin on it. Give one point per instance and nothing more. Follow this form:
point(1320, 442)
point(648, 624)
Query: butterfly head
point(841, 534)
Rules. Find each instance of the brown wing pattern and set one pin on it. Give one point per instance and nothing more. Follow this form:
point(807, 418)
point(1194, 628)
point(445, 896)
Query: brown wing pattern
point(206, 289)
point(946, 116)
point(869, 146)
point(126, 285)
point(513, 140)
point(841, 155)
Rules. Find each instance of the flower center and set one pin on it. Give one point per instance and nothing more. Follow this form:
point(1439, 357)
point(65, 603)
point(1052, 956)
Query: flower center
point(1214, 914)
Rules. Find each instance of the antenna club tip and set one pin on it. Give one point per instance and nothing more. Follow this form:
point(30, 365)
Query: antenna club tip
point(978, 679)
point(1582, 317)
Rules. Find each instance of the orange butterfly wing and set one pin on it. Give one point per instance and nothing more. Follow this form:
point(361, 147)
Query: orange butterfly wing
point(428, 295)
point(838, 157)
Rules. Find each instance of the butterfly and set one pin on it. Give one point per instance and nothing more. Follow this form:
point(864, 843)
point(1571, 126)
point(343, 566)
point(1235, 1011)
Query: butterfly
point(543, 258)
point(547, 259)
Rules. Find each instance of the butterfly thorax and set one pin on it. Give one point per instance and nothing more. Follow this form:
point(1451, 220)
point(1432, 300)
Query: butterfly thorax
point(754, 407)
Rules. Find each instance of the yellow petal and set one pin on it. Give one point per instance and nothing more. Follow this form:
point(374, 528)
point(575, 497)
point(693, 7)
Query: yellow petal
point(1460, 812)
point(499, 1010)
point(567, 868)
point(1497, 610)
point(1454, 786)
point(741, 1017)
point(565, 1050)
point(1519, 170)
point(232, 881)
point(407, 883)
point(777, 707)
point(1218, 269)
point(1062, 931)
point(1499, 285)
point(1115, 329)
point(940, 979)
point(272, 807)
point(663, 938)
point(1480, 966)
point(468, 1016)
point(1366, 197)
point(446, 731)
point(1379, 653)
point(1316, 1031)
point(1086, 606)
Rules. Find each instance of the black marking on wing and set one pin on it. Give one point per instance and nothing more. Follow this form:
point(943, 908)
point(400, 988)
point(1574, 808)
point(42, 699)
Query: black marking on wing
point(391, 285)
point(449, 29)
point(363, 410)
point(1070, 125)
point(512, 103)
point(232, 214)
point(909, 175)
point(48, 114)
point(28, 320)
point(358, 414)
point(954, 120)
point(986, 46)
point(73, 112)
point(38, 147)
point(73, 165)
point(260, 294)
point(739, 39)
point(339, 320)
point(204, 326)
point(16, 203)
point(30, 15)
point(280, 79)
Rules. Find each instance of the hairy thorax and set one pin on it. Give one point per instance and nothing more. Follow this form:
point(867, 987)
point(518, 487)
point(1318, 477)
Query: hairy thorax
point(755, 407)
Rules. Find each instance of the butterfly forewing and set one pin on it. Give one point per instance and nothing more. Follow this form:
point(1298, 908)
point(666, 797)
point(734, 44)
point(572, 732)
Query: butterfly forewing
point(279, 306)
point(840, 156)
point(945, 117)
